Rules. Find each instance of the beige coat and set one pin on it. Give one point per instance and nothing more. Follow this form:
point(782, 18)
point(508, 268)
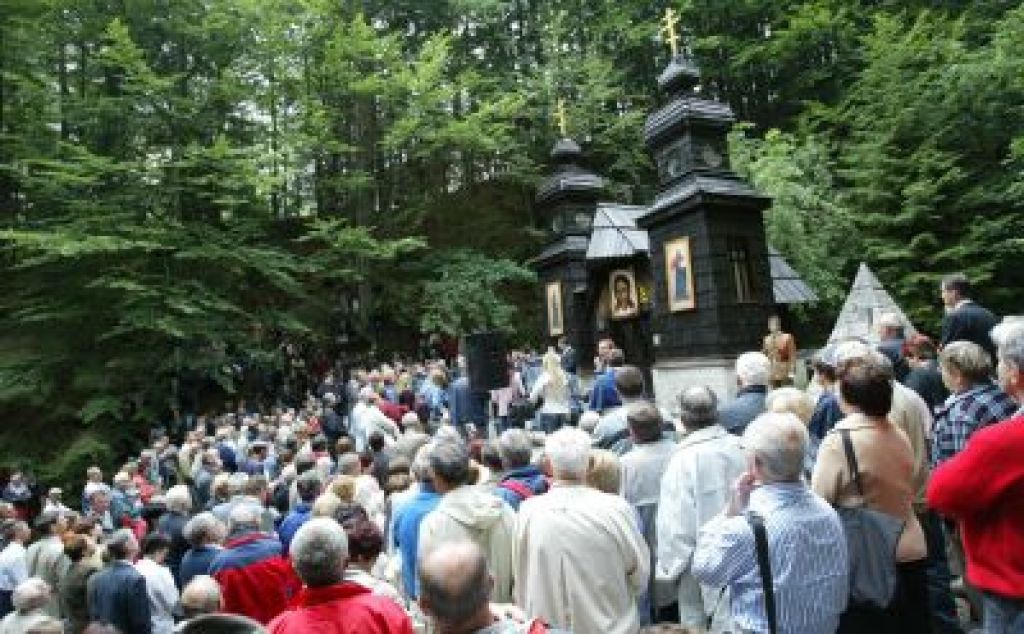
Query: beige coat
point(472, 513)
point(910, 413)
point(886, 463)
point(581, 561)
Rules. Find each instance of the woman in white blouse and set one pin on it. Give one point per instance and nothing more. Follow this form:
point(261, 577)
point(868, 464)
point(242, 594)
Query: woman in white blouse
point(553, 387)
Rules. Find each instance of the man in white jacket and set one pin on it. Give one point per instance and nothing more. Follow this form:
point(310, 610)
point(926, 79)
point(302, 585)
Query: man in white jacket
point(582, 561)
point(695, 487)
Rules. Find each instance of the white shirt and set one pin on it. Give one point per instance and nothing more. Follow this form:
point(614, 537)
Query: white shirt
point(163, 594)
point(556, 398)
point(12, 566)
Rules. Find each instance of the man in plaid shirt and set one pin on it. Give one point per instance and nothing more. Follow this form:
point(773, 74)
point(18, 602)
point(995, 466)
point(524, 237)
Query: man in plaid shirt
point(976, 400)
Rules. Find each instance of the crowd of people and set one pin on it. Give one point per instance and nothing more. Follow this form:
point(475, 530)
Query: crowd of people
point(400, 500)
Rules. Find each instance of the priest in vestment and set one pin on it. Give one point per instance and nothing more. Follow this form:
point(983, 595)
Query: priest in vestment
point(581, 560)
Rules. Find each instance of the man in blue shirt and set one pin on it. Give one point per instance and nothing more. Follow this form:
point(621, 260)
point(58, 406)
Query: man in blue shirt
point(308, 486)
point(409, 518)
point(809, 563)
point(604, 396)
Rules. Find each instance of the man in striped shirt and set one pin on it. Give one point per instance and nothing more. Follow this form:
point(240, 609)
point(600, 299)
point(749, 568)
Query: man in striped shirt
point(806, 544)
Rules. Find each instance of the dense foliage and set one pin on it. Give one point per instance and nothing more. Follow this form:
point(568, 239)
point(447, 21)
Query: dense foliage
point(185, 186)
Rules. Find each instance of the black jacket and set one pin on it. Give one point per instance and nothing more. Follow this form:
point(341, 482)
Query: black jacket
point(970, 322)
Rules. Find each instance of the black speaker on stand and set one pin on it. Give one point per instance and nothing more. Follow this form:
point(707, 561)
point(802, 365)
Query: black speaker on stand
point(486, 361)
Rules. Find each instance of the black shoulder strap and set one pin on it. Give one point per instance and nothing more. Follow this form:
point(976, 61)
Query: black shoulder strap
point(851, 460)
point(764, 565)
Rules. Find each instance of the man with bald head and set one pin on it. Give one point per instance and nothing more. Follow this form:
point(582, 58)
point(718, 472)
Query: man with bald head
point(329, 604)
point(455, 592)
point(255, 579)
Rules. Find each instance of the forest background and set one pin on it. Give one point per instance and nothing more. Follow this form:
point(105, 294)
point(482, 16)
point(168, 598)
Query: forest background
point(187, 185)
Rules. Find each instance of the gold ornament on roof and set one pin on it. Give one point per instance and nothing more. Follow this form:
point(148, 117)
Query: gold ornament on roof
point(669, 31)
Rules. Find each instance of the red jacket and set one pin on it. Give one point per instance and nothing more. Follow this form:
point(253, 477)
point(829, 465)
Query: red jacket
point(255, 580)
point(982, 487)
point(345, 608)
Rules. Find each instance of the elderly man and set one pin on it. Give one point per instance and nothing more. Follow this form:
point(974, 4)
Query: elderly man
point(642, 469)
point(409, 519)
point(201, 596)
point(890, 343)
point(117, 594)
point(612, 428)
point(30, 599)
point(46, 559)
point(980, 488)
point(522, 479)
point(582, 560)
point(329, 604)
point(805, 538)
point(976, 400)
point(255, 579)
point(753, 371)
point(467, 512)
point(456, 588)
point(695, 487)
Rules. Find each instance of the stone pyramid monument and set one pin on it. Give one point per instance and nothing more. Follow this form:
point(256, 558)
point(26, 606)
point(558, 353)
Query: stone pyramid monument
point(865, 304)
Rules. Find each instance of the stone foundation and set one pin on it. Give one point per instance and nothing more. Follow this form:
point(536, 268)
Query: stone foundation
point(672, 376)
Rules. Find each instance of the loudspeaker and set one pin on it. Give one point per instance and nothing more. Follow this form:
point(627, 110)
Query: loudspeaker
point(486, 361)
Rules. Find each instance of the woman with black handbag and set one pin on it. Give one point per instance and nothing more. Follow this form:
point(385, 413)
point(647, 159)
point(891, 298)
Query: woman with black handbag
point(866, 463)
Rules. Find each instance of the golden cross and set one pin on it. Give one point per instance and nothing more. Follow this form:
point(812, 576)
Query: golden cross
point(562, 118)
point(668, 30)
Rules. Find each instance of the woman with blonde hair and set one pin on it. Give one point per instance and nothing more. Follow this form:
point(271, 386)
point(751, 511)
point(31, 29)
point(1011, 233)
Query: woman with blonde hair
point(604, 472)
point(552, 386)
point(789, 400)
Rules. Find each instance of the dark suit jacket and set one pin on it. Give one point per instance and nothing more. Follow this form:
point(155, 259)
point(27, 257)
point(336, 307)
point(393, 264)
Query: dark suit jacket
point(117, 596)
point(970, 322)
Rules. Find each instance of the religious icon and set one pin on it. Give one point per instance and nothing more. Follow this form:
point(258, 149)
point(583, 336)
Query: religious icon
point(679, 275)
point(624, 298)
point(555, 312)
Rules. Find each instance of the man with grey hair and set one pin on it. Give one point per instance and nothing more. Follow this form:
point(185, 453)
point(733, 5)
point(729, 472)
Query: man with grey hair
point(328, 603)
point(805, 539)
point(582, 560)
point(521, 479)
point(255, 579)
point(694, 488)
point(979, 488)
point(201, 596)
point(117, 594)
point(975, 402)
point(29, 598)
point(642, 468)
point(409, 518)
point(753, 371)
point(890, 343)
point(468, 512)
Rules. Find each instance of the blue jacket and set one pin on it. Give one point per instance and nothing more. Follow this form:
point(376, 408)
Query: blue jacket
point(292, 523)
point(604, 396)
point(117, 596)
point(407, 534)
point(826, 414)
point(197, 561)
point(530, 476)
point(748, 405)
